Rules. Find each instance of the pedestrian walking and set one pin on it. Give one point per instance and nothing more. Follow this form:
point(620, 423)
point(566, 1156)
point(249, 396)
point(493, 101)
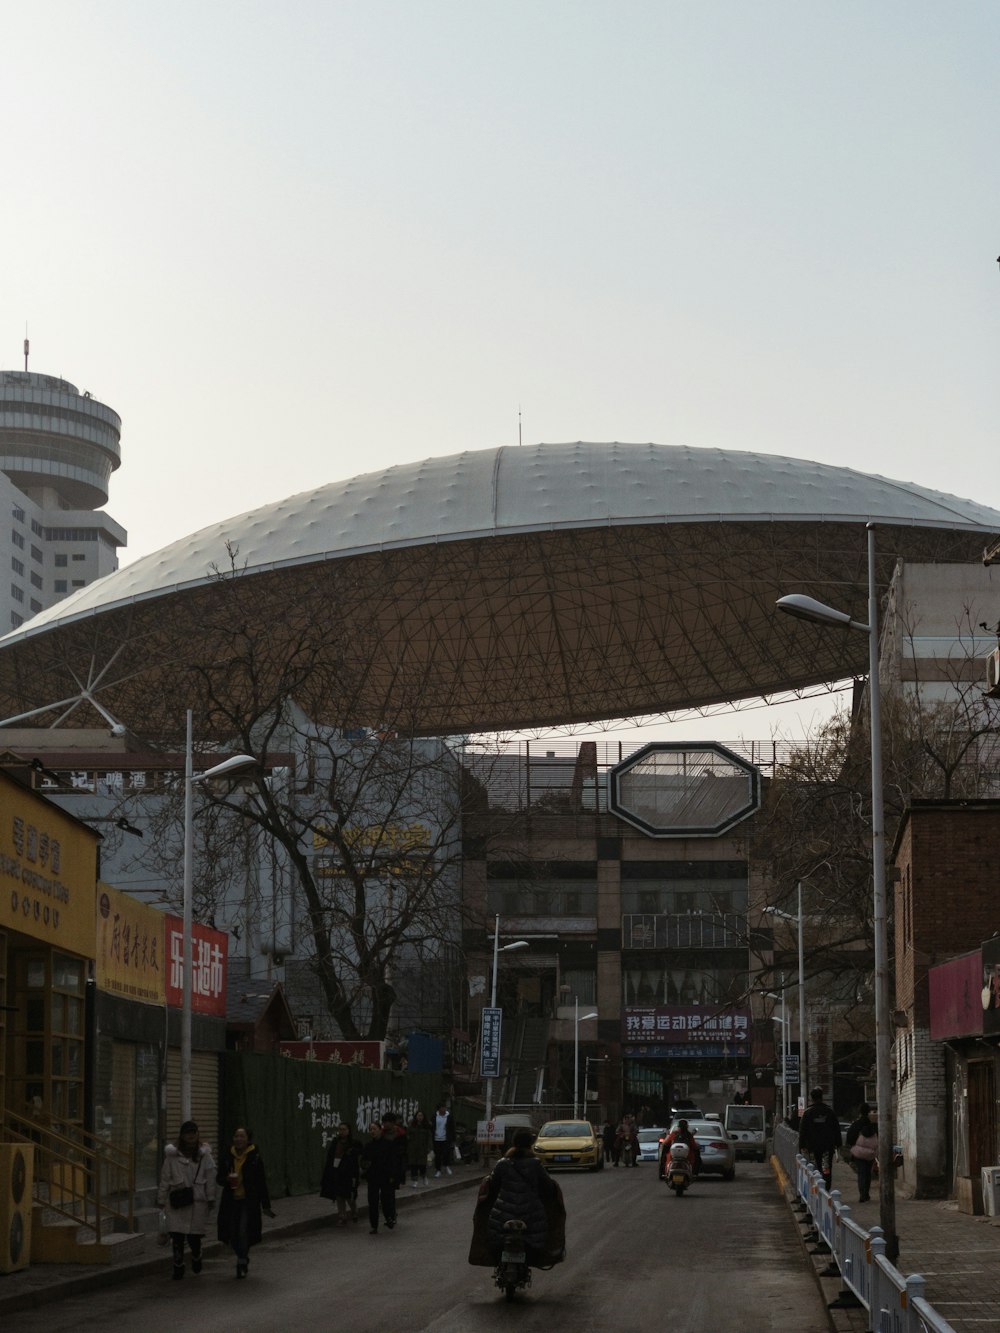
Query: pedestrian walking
point(444, 1140)
point(608, 1139)
point(819, 1134)
point(862, 1144)
point(187, 1194)
point(419, 1139)
point(384, 1169)
point(341, 1175)
point(245, 1197)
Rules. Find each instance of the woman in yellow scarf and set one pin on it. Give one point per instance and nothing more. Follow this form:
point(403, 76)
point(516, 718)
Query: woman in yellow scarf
point(244, 1197)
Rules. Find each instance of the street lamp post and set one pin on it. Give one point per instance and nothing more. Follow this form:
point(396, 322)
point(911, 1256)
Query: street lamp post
point(497, 951)
point(787, 916)
point(807, 608)
point(237, 761)
point(589, 1060)
point(785, 1044)
point(578, 1018)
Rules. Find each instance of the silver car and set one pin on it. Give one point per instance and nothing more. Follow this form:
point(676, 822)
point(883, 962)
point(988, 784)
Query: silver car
point(718, 1152)
point(649, 1144)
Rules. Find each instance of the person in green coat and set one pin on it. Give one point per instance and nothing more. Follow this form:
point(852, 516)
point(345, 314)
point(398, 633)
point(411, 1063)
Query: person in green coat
point(419, 1140)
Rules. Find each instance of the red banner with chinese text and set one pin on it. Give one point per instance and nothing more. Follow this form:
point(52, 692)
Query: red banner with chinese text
point(210, 949)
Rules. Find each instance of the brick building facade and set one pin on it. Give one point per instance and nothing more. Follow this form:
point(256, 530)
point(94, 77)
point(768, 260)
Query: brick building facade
point(945, 904)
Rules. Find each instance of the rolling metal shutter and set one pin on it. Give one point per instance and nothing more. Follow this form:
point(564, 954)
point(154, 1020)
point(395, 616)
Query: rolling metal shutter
point(204, 1096)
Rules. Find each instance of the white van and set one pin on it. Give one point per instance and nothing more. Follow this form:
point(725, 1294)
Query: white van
point(745, 1126)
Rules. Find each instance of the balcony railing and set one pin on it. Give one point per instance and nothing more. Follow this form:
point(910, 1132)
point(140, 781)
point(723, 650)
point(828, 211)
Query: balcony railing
point(684, 930)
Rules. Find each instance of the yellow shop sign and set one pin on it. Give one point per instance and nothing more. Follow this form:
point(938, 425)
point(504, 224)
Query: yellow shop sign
point(48, 870)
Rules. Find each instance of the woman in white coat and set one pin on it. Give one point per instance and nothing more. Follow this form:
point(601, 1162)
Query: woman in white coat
point(187, 1194)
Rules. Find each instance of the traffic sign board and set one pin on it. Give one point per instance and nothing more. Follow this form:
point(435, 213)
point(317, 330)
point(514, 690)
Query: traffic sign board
point(489, 1055)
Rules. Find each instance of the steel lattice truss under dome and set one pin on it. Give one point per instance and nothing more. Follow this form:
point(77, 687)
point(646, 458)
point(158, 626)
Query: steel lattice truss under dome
point(506, 588)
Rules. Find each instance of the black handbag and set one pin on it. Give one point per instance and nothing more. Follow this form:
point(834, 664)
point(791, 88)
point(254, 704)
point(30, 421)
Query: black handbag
point(184, 1197)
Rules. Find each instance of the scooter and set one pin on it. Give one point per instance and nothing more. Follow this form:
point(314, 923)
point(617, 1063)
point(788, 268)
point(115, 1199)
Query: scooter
point(512, 1273)
point(677, 1170)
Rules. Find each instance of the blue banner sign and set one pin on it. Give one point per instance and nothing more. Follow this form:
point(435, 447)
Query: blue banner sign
point(489, 1062)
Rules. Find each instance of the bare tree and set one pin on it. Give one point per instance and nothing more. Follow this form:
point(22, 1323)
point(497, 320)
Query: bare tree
point(361, 814)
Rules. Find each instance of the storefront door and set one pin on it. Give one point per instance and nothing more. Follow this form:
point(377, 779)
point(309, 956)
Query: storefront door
point(45, 1064)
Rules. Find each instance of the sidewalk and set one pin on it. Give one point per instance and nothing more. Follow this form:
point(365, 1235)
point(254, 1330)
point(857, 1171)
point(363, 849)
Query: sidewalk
point(957, 1255)
point(43, 1283)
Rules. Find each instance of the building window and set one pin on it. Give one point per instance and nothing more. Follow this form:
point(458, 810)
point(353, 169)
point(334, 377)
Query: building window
point(70, 534)
point(36, 554)
point(19, 515)
point(35, 605)
point(60, 585)
point(79, 583)
point(79, 557)
point(17, 565)
point(18, 539)
point(37, 528)
point(36, 580)
point(60, 562)
point(15, 619)
point(17, 593)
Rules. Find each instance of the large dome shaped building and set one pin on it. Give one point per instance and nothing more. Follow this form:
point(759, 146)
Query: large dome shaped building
point(504, 588)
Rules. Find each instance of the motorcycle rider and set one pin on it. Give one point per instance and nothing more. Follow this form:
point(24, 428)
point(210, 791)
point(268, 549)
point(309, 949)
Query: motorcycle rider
point(519, 1188)
point(681, 1135)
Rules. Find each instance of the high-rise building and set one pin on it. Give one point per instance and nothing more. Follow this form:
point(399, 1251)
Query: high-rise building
point(58, 448)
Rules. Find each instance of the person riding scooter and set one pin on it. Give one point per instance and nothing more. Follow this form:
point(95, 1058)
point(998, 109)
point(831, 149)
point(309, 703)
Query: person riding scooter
point(520, 1189)
point(680, 1135)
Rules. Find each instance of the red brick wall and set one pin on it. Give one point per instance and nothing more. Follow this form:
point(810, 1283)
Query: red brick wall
point(949, 859)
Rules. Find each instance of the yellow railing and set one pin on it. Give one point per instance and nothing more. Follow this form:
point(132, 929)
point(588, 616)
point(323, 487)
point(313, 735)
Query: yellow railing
point(78, 1175)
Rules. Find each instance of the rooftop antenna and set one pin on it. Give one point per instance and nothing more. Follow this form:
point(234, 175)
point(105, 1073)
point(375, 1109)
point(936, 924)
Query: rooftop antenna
point(26, 345)
point(518, 417)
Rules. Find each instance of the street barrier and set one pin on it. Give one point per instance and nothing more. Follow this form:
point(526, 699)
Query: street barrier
point(895, 1304)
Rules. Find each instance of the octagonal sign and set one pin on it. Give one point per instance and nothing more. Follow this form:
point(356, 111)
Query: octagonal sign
point(683, 790)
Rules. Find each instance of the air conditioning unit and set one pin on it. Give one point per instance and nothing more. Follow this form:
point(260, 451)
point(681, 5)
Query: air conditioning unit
point(993, 674)
point(991, 1191)
point(16, 1171)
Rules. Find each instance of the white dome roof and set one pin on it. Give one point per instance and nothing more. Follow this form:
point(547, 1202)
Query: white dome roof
point(535, 488)
point(629, 541)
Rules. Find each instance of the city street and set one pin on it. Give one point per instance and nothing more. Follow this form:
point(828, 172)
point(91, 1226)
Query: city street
point(725, 1256)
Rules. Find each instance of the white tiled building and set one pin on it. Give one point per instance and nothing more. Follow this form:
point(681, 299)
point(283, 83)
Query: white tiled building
point(58, 448)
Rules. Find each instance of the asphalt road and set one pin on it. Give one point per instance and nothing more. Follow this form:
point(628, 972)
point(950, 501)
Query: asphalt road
point(725, 1258)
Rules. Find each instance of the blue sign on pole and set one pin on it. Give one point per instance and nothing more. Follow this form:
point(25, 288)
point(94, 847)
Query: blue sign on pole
point(489, 1060)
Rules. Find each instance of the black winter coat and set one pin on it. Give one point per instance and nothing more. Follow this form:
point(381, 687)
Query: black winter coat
point(522, 1185)
point(340, 1178)
point(383, 1162)
point(819, 1129)
point(255, 1188)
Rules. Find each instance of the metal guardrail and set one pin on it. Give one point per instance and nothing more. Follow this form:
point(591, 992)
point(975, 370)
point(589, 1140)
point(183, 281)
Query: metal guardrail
point(895, 1304)
point(78, 1175)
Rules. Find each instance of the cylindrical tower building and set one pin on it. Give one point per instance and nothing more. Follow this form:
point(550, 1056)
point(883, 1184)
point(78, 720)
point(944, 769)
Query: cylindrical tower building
point(55, 439)
point(58, 449)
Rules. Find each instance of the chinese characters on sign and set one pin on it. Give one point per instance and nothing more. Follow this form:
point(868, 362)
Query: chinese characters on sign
point(365, 1054)
point(129, 946)
point(323, 1116)
point(489, 1060)
point(208, 974)
point(48, 869)
point(688, 1030)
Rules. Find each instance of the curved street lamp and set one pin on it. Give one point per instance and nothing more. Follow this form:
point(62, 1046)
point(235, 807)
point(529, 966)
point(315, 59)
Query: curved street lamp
point(578, 1018)
point(497, 950)
point(807, 608)
point(236, 762)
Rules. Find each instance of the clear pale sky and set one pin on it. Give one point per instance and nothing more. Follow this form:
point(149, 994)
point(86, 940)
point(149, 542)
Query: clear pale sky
point(290, 243)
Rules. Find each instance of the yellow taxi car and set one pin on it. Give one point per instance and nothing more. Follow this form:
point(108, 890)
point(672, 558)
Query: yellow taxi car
point(569, 1143)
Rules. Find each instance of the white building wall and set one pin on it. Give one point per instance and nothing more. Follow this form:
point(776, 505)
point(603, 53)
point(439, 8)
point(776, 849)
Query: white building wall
point(922, 1110)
